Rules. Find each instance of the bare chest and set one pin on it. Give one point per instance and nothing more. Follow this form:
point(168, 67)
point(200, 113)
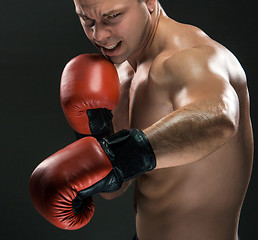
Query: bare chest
point(142, 100)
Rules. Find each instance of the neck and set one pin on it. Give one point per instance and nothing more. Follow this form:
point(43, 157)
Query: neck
point(143, 52)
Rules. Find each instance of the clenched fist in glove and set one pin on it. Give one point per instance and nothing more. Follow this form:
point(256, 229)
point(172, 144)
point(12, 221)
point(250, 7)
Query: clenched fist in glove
point(89, 91)
point(62, 185)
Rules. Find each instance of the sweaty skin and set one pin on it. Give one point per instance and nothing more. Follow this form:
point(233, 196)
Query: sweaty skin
point(189, 95)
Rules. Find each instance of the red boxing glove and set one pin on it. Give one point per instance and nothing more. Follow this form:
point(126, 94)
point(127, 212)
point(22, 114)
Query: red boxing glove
point(61, 186)
point(57, 180)
point(89, 90)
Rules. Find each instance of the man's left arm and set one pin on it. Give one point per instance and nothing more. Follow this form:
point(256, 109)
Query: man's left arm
point(206, 107)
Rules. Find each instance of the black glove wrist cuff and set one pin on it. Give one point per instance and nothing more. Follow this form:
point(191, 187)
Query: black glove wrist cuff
point(100, 123)
point(130, 153)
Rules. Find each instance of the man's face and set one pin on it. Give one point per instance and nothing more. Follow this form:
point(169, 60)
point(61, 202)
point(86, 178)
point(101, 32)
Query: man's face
point(116, 27)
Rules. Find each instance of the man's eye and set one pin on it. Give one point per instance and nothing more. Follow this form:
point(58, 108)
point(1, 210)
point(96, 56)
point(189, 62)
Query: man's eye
point(113, 15)
point(87, 21)
point(91, 24)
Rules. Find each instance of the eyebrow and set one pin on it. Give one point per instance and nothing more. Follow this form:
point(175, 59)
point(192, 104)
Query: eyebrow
point(79, 13)
point(111, 12)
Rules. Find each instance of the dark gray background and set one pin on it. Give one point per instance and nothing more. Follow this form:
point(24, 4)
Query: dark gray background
point(37, 39)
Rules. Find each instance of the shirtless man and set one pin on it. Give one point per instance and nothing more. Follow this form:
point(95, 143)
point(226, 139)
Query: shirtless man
point(189, 95)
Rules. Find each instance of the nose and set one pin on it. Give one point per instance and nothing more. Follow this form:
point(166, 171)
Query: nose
point(100, 33)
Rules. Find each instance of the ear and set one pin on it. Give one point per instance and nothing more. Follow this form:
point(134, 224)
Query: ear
point(150, 5)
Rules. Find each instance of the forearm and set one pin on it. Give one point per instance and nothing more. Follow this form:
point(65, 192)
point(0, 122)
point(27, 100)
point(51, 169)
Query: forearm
point(191, 133)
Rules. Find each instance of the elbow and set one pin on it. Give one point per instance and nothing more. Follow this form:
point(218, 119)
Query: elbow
point(227, 118)
point(230, 113)
point(230, 126)
point(230, 130)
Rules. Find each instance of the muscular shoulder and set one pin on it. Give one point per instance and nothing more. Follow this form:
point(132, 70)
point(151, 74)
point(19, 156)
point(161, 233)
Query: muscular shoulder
point(196, 64)
point(199, 72)
point(188, 51)
point(174, 70)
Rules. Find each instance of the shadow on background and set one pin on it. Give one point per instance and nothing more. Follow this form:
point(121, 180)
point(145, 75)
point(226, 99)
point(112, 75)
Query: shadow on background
point(37, 39)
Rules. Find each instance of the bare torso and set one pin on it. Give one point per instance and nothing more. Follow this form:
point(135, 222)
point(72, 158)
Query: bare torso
point(200, 200)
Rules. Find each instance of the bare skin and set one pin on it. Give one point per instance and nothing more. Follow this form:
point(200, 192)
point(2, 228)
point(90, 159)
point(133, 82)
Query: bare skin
point(189, 95)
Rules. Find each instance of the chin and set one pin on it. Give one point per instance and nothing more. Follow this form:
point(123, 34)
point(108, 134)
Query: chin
point(116, 59)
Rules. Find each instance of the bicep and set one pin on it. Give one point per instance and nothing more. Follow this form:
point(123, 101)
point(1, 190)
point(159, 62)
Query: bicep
point(202, 82)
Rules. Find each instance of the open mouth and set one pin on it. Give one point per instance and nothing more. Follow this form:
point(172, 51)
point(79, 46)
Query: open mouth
point(111, 48)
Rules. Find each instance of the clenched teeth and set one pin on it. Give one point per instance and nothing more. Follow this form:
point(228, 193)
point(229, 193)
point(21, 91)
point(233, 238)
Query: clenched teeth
point(111, 46)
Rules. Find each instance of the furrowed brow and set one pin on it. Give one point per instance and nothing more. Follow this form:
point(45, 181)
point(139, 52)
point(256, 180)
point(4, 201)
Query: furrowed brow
point(112, 12)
